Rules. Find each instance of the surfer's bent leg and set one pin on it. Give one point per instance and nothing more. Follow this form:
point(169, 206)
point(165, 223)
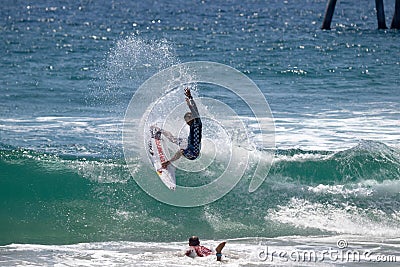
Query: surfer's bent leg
point(193, 149)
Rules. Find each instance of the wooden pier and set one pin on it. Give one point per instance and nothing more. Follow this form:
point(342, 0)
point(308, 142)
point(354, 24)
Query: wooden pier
point(380, 13)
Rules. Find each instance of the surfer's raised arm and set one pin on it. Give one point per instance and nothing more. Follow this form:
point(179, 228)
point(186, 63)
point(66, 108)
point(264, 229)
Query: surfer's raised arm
point(191, 104)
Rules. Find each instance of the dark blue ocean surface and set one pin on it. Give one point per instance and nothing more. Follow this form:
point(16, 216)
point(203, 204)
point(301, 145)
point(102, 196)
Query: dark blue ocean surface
point(69, 69)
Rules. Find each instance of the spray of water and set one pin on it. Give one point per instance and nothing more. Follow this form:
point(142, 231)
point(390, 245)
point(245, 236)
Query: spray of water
point(130, 62)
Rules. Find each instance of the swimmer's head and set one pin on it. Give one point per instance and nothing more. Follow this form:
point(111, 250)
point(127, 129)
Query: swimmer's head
point(188, 117)
point(194, 241)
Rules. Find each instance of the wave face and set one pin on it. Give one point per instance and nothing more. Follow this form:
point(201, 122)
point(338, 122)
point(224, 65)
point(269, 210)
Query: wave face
point(66, 199)
point(70, 68)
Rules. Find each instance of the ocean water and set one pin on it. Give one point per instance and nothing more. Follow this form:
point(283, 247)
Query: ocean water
point(69, 69)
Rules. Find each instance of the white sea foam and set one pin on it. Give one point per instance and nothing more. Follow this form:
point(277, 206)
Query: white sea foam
point(343, 218)
point(301, 157)
point(334, 130)
point(345, 190)
point(237, 252)
point(363, 188)
point(62, 134)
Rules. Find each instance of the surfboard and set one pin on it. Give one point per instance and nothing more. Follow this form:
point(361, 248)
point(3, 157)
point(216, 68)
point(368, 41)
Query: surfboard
point(157, 157)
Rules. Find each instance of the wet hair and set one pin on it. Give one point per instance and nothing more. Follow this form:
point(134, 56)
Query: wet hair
point(188, 116)
point(194, 241)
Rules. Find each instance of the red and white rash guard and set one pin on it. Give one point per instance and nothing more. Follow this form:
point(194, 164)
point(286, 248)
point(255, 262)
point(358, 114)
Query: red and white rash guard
point(200, 251)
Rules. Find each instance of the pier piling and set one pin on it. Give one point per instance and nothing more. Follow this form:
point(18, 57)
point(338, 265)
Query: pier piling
point(330, 9)
point(396, 17)
point(380, 13)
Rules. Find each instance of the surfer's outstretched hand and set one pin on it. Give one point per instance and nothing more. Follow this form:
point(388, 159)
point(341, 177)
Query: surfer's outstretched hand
point(187, 93)
point(155, 128)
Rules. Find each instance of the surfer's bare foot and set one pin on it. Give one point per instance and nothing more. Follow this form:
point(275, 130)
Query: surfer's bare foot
point(218, 250)
point(165, 164)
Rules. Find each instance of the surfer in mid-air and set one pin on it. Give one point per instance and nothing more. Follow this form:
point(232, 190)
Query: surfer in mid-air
point(192, 118)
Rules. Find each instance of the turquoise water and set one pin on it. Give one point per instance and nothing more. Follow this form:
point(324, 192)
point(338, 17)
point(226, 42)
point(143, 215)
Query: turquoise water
point(70, 68)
